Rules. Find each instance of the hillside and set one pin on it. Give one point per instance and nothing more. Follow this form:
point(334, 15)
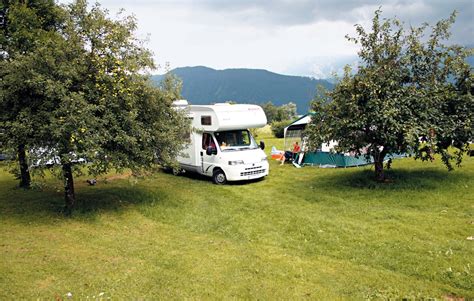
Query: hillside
point(202, 85)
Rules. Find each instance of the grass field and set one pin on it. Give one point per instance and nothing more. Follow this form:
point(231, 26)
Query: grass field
point(304, 233)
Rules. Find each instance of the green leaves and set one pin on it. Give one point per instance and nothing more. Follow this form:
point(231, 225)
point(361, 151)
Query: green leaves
point(279, 113)
point(411, 93)
point(83, 87)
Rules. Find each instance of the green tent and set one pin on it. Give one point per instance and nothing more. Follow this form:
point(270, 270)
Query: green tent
point(327, 159)
point(294, 132)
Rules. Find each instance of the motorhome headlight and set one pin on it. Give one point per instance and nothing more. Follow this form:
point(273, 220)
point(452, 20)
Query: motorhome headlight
point(236, 162)
point(264, 159)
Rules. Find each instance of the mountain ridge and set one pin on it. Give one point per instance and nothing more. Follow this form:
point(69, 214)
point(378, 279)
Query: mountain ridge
point(204, 85)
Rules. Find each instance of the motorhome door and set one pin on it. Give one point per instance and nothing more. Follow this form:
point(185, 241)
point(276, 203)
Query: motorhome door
point(208, 161)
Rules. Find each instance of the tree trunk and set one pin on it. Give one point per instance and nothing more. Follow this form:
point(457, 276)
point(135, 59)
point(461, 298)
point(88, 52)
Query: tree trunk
point(25, 178)
point(378, 163)
point(379, 173)
point(69, 195)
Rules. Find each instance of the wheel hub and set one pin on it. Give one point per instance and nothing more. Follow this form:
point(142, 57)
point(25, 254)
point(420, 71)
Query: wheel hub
point(220, 178)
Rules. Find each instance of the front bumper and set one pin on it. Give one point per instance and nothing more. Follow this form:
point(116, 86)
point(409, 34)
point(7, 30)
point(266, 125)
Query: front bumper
point(247, 171)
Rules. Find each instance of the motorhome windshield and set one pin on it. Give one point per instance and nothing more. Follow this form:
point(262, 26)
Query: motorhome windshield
point(235, 140)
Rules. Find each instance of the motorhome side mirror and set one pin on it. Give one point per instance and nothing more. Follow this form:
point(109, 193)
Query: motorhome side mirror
point(211, 151)
point(262, 145)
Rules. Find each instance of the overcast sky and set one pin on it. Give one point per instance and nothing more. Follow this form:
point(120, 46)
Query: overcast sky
point(297, 37)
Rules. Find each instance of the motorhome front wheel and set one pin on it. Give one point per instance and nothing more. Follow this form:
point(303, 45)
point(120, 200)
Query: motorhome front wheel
point(219, 177)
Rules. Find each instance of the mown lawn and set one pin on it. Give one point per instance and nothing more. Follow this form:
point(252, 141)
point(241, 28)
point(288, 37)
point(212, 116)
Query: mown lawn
point(301, 233)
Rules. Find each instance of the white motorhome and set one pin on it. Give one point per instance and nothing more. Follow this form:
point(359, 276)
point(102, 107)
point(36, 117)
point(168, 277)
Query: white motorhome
point(221, 146)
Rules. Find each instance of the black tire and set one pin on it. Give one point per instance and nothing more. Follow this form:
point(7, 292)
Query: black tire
point(167, 169)
point(173, 171)
point(218, 177)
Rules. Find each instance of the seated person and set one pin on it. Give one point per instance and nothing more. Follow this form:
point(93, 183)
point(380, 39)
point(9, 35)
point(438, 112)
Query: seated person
point(291, 154)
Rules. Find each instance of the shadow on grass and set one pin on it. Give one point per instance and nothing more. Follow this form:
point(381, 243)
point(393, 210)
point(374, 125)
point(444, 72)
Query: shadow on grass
point(113, 198)
point(198, 177)
point(195, 176)
point(397, 179)
point(47, 206)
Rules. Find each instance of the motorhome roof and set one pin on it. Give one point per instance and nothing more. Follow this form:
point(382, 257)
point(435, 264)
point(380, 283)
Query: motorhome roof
point(230, 116)
point(225, 107)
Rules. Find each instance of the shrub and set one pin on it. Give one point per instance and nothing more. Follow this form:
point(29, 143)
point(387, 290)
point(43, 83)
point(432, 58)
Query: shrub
point(278, 127)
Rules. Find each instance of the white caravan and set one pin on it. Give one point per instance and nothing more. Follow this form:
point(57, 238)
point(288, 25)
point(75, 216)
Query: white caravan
point(221, 146)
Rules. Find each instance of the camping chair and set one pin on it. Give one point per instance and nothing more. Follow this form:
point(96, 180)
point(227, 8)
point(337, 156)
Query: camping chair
point(290, 156)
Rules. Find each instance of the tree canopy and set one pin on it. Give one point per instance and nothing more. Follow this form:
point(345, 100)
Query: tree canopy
point(95, 101)
point(279, 113)
point(279, 116)
point(24, 27)
point(412, 93)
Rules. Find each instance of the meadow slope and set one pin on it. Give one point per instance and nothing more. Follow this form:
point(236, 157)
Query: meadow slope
point(300, 233)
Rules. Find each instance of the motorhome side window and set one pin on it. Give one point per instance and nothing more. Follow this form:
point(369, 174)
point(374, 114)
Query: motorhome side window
point(206, 120)
point(207, 141)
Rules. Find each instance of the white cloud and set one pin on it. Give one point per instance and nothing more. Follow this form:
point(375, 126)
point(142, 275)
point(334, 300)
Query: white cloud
point(301, 37)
